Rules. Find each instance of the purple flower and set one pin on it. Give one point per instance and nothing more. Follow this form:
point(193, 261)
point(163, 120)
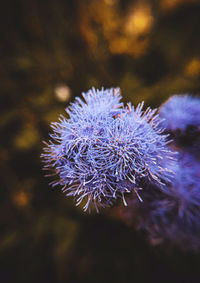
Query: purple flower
point(181, 115)
point(104, 149)
point(173, 217)
point(180, 112)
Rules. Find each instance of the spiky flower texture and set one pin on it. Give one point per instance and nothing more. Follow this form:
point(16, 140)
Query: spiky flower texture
point(105, 148)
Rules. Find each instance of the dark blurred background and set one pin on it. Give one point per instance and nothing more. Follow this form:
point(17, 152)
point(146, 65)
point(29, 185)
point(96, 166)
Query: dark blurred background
point(51, 51)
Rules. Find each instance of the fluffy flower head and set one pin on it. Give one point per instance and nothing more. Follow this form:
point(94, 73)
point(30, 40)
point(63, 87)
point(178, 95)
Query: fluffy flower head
point(104, 149)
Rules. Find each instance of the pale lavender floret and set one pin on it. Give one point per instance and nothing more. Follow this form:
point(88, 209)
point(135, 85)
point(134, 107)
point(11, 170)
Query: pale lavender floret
point(96, 102)
point(179, 112)
point(104, 149)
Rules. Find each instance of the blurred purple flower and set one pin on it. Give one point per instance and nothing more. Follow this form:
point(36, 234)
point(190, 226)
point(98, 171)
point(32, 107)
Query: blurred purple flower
point(181, 119)
point(104, 149)
point(180, 112)
point(173, 217)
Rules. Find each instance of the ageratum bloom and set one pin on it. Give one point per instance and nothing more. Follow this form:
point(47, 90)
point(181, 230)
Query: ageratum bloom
point(104, 149)
point(173, 217)
point(181, 115)
point(180, 112)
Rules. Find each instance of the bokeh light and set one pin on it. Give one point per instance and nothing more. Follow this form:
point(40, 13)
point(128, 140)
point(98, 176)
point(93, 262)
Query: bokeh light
point(63, 93)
